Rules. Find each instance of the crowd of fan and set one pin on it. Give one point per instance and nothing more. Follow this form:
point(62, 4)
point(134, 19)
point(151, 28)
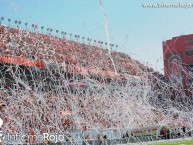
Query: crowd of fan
point(23, 43)
point(24, 114)
point(28, 111)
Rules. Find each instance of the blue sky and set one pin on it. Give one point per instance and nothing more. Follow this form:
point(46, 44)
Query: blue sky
point(138, 31)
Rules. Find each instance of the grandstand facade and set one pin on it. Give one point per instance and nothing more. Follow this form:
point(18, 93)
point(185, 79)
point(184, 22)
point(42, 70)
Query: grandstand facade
point(178, 60)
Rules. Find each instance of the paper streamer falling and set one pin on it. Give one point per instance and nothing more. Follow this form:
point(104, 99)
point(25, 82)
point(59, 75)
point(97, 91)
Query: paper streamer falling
point(107, 34)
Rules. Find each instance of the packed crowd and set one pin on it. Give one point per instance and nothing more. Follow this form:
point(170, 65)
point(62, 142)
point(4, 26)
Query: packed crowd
point(82, 58)
point(29, 109)
point(62, 110)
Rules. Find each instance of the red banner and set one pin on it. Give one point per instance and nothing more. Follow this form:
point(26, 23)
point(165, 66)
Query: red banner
point(21, 61)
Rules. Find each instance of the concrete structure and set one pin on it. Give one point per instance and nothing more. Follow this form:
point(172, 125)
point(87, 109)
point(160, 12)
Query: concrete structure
point(178, 60)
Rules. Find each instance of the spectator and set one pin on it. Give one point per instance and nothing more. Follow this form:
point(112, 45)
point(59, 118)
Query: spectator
point(88, 140)
point(100, 139)
point(168, 134)
point(175, 133)
point(184, 129)
point(105, 137)
point(172, 133)
point(179, 132)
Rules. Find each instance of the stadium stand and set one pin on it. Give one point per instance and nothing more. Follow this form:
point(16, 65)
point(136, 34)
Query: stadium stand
point(38, 56)
point(79, 58)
